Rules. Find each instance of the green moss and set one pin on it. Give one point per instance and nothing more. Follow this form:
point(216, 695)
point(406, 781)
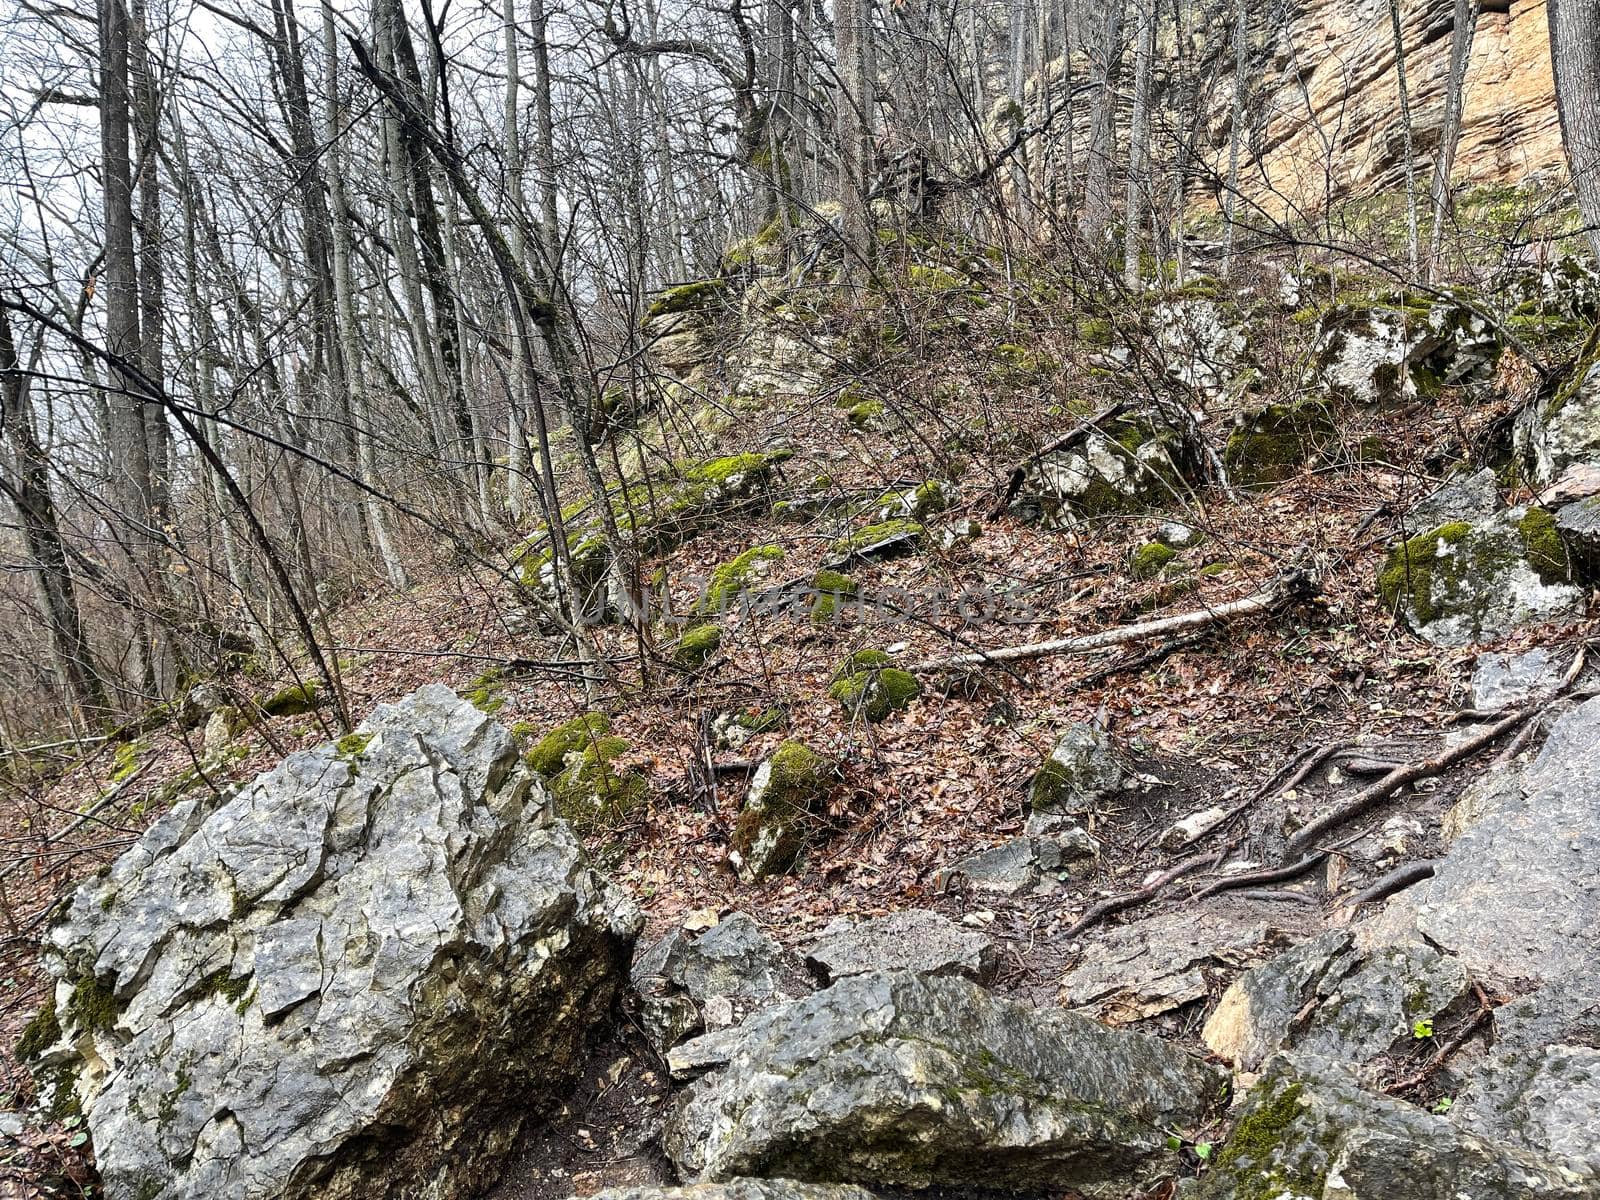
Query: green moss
point(776, 821)
point(550, 755)
point(1253, 1149)
point(353, 744)
point(1546, 552)
point(1148, 560)
point(867, 683)
point(91, 1005)
point(761, 720)
point(864, 413)
point(592, 794)
point(125, 761)
point(732, 578)
point(881, 532)
point(688, 297)
point(292, 701)
point(42, 1032)
point(1408, 571)
point(721, 470)
point(1095, 331)
point(922, 501)
point(828, 588)
point(1272, 445)
point(697, 645)
point(483, 693)
point(222, 983)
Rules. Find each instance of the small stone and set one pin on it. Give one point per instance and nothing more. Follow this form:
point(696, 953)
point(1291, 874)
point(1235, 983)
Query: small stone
point(1181, 833)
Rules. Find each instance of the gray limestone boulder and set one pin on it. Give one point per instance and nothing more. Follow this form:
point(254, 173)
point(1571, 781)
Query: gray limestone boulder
point(1033, 863)
point(1307, 1131)
point(1578, 524)
point(1081, 770)
point(1506, 680)
point(1124, 465)
point(687, 983)
point(1462, 497)
point(901, 1079)
point(1477, 581)
point(1327, 997)
point(1391, 354)
point(915, 939)
point(1518, 895)
point(359, 976)
point(1563, 427)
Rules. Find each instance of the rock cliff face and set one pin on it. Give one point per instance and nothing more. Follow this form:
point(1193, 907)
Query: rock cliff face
point(1329, 95)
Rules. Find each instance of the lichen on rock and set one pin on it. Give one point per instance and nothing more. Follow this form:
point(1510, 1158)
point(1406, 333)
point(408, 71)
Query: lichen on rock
point(336, 982)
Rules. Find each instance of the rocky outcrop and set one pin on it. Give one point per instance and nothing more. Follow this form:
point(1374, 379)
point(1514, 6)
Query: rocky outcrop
point(1376, 353)
point(1125, 465)
point(367, 969)
point(1327, 998)
point(1516, 898)
point(785, 795)
point(1325, 72)
point(897, 1078)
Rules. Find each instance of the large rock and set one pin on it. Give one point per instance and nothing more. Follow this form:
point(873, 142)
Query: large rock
point(1518, 895)
point(1307, 1131)
point(786, 793)
point(1326, 997)
point(1563, 428)
point(915, 939)
point(358, 977)
point(1578, 524)
point(1080, 771)
point(1124, 465)
point(1204, 341)
point(897, 1078)
point(1476, 581)
point(1386, 354)
point(1506, 680)
point(687, 983)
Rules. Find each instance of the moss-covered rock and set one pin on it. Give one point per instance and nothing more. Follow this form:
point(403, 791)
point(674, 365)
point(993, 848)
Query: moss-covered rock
point(1150, 559)
point(687, 297)
point(732, 578)
point(292, 701)
point(896, 533)
point(868, 684)
point(829, 591)
point(1080, 771)
point(1465, 582)
point(1273, 443)
point(550, 754)
point(696, 645)
point(785, 793)
point(918, 503)
point(483, 693)
point(40, 1033)
point(595, 794)
point(1129, 465)
point(865, 414)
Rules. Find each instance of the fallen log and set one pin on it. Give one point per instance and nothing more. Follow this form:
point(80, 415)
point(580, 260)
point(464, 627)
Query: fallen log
point(1290, 585)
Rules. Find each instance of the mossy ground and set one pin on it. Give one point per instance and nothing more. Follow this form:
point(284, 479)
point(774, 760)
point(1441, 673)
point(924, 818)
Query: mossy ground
point(593, 793)
point(696, 645)
point(730, 579)
point(550, 754)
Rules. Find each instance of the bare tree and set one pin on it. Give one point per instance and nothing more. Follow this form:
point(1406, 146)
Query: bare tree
point(1575, 57)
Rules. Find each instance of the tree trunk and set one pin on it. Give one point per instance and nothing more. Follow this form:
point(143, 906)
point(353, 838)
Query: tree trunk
point(1412, 251)
point(1575, 56)
point(30, 494)
point(1465, 24)
point(1096, 215)
point(1138, 194)
point(1241, 77)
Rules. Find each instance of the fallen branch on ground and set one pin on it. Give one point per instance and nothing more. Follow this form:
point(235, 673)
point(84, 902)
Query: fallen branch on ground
point(1290, 585)
point(1370, 797)
point(1116, 904)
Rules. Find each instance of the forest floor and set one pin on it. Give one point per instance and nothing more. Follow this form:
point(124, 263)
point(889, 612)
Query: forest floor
point(1212, 721)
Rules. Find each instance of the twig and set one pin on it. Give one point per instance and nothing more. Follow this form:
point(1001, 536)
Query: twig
point(1139, 661)
point(1485, 1010)
point(1116, 904)
point(89, 815)
point(1290, 584)
point(1271, 875)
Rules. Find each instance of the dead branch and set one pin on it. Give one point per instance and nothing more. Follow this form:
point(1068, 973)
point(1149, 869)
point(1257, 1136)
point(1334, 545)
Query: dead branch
point(1291, 584)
